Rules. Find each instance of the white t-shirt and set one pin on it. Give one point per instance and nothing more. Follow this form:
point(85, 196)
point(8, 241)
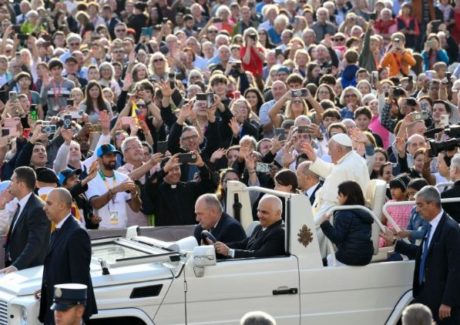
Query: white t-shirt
point(114, 214)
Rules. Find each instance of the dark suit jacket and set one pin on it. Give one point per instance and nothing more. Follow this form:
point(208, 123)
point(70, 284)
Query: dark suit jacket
point(67, 261)
point(227, 230)
point(442, 269)
point(312, 197)
point(262, 243)
point(452, 208)
point(26, 244)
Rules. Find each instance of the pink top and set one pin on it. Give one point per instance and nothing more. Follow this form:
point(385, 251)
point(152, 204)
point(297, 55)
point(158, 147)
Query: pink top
point(376, 127)
point(400, 215)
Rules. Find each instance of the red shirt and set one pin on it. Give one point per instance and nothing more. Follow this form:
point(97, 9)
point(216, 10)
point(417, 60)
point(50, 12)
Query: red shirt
point(455, 29)
point(256, 64)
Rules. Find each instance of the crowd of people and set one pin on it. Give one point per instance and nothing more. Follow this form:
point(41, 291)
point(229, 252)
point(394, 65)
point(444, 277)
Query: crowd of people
point(138, 108)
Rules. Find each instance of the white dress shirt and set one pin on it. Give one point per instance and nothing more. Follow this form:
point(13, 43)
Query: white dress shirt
point(59, 225)
point(434, 224)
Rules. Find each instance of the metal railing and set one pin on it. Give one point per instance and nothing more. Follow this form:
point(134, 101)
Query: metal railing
point(402, 203)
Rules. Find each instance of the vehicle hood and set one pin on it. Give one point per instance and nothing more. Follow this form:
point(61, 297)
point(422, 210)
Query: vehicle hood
point(28, 281)
point(24, 282)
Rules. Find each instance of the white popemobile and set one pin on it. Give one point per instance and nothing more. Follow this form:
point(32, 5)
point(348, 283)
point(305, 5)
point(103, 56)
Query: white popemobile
point(141, 280)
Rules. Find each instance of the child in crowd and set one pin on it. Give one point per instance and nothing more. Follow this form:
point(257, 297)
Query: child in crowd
point(351, 58)
point(400, 214)
point(417, 225)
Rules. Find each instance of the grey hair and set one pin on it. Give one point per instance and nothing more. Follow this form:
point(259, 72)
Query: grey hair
point(257, 318)
point(304, 168)
point(276, 200)
point(125, 142)
point(302, 118)
point(211, 201)
point(64, 196)
point(249, 138)
point(417, 314)
point(455, 162)
point(109, 66)
point(429, 194)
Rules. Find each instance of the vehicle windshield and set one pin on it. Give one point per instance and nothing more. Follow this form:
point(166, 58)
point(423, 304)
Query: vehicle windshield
point(120, 250)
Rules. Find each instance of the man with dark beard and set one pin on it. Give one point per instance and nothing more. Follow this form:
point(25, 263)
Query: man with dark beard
point(110, 190)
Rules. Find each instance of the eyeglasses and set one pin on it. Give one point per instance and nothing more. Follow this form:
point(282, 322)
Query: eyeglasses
point(191, 137)
point(118, 52)
point(157, 60)
point(338, 39)
point(212, 31)
point(350, 95)
point(296, 101)
point(74, 44)
point(133, 148)
point(141, 105)
point(120, 30)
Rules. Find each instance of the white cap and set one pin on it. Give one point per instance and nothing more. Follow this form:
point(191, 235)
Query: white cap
point(342, 139)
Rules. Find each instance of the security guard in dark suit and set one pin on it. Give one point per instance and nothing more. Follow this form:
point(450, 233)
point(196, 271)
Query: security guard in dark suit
point(69, 303)
point(68, 257)
point(437, 259)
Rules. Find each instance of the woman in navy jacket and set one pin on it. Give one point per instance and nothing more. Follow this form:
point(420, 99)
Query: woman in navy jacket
point(352, 229)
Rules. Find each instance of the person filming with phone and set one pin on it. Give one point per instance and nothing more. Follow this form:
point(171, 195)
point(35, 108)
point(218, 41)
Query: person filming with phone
point(174, 200)
point(432, 52)
point(398, 59)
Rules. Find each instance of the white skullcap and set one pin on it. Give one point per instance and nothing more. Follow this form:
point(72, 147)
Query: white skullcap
point(342, 139)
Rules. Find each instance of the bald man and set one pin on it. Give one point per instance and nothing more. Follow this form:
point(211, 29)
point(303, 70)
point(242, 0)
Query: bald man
point(211, 217)
point(68, 257)
point(309, 182)
point(267, 238)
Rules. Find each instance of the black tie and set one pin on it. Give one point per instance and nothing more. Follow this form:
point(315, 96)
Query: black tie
point(10, 231)
point(15, 218)
point(53, 236)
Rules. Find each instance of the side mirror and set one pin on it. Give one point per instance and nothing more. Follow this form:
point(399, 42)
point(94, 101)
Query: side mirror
point(203, 256)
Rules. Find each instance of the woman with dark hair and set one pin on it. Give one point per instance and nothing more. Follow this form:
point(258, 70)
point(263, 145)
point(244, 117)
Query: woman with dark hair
point(313, 72)
point(255, 99)
point(226, 175)
point(264, 39)
point(352, 229)
point(286, 181)
point(94, 102)
point(381, 157)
